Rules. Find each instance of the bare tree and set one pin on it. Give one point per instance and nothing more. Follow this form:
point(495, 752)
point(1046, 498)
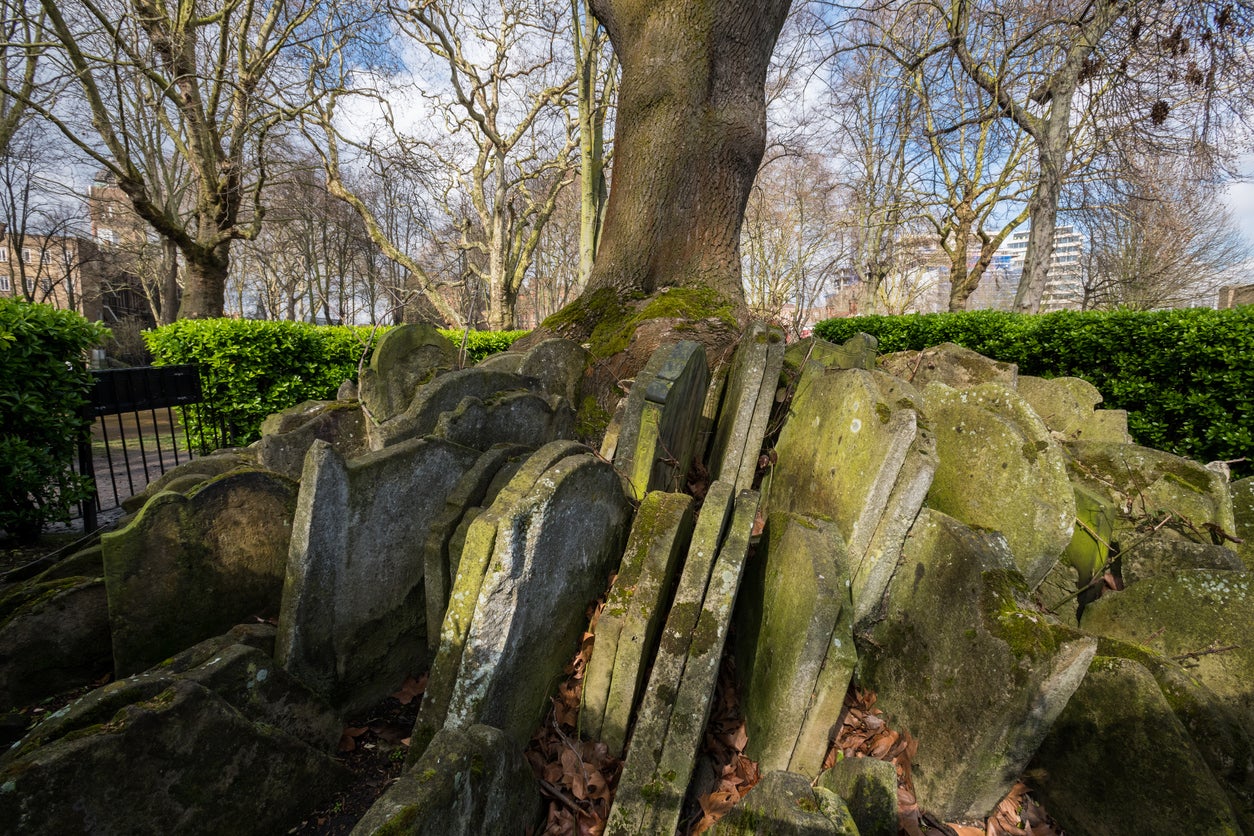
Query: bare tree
point(1158, 239)
point(220, 77)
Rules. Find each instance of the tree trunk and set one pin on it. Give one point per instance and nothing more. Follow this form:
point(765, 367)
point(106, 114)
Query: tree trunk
point(691, 130)
point(168, 291)
point(206, 283)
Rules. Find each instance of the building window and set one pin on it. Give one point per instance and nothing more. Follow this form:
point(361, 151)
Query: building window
point(45, 284)
point(4, 255)
point(107, 236)
point(5, 284)
point(28, 255)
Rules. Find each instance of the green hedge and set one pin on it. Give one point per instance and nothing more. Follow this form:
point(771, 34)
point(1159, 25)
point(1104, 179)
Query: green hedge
point(1186, 377)
point(251, 369)
point(44, 385)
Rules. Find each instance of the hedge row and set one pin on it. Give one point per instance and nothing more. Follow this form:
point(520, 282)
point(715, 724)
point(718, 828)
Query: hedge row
point(44, 385)
point(1186, 377)
point(251, 369)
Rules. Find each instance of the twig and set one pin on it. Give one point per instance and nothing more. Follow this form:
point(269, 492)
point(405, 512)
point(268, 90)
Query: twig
point(1198, 654)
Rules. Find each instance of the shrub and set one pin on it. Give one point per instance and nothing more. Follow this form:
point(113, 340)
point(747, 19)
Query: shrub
point(1185, 376)
point(44, 387)
point(251, 369)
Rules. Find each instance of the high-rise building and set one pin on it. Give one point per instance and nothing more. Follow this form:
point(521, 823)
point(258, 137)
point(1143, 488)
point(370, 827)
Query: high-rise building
point(1064, 282)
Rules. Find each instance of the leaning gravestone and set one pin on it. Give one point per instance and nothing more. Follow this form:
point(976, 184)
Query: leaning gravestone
point(406, 358)
point(966, 665)
point(660, 422)
point(627, 629)
point(1243, 519)
point(553, 554)
point(746, 407)
point(1001, 470)
point(519, 417)
point(858, 352)
point(672, 716)
point(187, 474)
point(469, 492)
point(189, 567)
point(794, 640)
point(869, 788)
point(557, 366)
point(353, 616)
point(530, 566)
point(286, 436)
point(785, 804)
point(855, 451)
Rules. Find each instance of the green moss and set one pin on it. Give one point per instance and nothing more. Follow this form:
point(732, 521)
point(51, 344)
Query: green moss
point(591, 420)
point(1026, 632)
point(807, 804)
point(614, 322)
point(31, 598)
point(402, 822)
point(883, 412)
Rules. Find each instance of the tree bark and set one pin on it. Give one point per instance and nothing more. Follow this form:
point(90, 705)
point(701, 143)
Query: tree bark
point(691, 130)
point(205, 293)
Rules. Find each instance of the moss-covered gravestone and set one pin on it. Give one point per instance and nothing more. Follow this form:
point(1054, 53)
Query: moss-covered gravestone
point(1000, 469)
point(516, 417)
point(794, 641)
point(855, 451)
point(1067, 405)
point(658, 430)
point(1119, 761)
point(190, 567)
point(950, 364)
point(1243, 519)
point(441, 395)
point(746, 406)
point(784, 804)
point(353, 621)
point(531, 564)
point(672, 716)
point(627, 629)
point(406, 358)
point(868, 787)
point(965, 663)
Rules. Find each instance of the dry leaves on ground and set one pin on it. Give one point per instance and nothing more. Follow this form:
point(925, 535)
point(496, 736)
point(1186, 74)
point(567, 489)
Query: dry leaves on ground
point(576, 776)
point(724, 746)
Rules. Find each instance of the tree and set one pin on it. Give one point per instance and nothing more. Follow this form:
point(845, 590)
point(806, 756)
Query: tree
point(1159, 239)
point(216, 77)
point(21, 43)
point(691, 130)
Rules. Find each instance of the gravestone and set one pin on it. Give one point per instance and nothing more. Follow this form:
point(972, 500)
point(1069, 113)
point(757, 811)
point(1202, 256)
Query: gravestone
point(627, 629)
point(471, 491)
point(552, 557)
point(557, 366)
point(965, 663)
point(1242, 493)
point(406, 358)
point(517, 417)
point(190, 567)
point(794, 639)
point(1000, 469)
point(855, 451)
point(550, 535)
point(658, 430)
point(953, 365)
point(191, 473)
point(746, 406)
point(441, 395)
point(662, 751)
point(785, 804)
point(469, 782)
point(352, 625)
point(857, 352)
point(1067, 405)
point(868, 787)
point(286, 436)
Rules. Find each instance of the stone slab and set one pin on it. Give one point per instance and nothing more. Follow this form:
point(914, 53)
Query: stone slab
point(1000, 469)
point(627, 629)
point(512, 417)
point(1119, 761)
point(1189, 612)
point(553, 554)
point(857, 352)
point(950, 364)
point(469, 492)
point(1242, 492)
point(1153, 556)
point(636, 793)
point(352, 624)
point(406, 358)
point(200, 469)
point(746, 406)
point(784, 804)
point(475, 555)
point(286, 436)
point(661, 419)
point(557, 366)
point(794, 641)
point(964, 662)
point(190, 567)
point(433, 399)
point(869, 789)
point(469, 782)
